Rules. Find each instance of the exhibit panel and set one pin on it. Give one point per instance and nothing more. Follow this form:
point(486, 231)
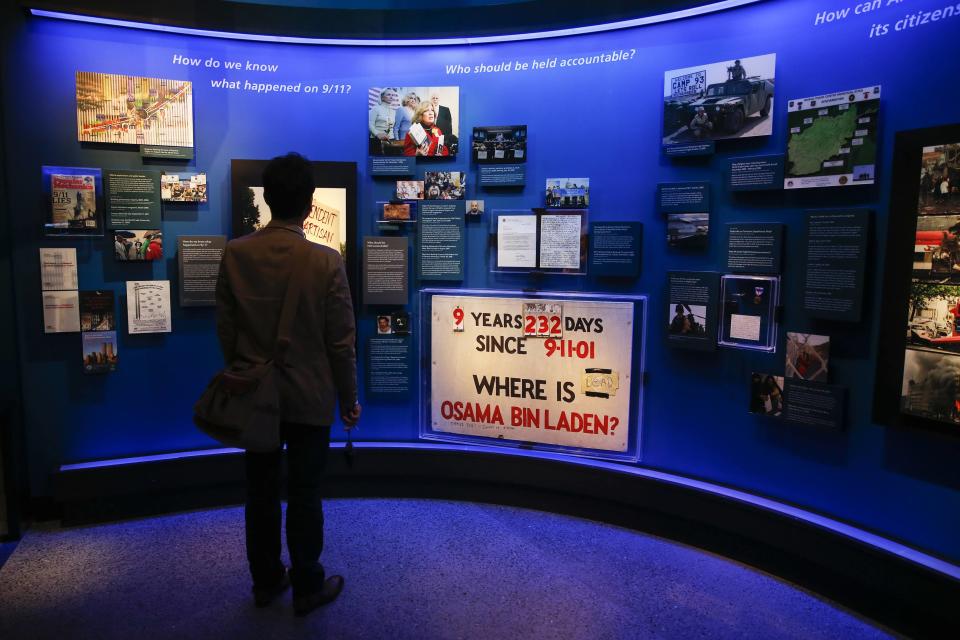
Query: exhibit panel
point(527, 170)
point(551, 371)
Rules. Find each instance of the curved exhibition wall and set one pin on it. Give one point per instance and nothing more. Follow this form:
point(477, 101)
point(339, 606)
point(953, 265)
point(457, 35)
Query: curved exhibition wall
point(593, 105)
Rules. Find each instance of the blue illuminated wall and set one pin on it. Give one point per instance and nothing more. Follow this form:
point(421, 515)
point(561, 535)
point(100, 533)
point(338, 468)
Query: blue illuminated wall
point(601, 121)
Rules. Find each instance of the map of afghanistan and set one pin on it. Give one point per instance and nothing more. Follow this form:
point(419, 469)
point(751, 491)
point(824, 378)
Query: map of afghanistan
point(833, 139)
point(134, 110)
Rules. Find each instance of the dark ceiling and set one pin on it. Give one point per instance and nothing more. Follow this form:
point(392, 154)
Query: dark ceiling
point(367, 18)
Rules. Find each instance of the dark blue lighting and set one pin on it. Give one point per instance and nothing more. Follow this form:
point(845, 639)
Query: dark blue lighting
point(558, 33)
point(834, 526)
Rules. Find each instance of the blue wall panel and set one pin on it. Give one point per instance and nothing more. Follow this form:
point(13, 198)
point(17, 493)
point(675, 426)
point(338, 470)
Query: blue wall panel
point(600, 121)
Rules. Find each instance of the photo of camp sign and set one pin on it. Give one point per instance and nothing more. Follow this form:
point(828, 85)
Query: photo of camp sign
point(719, 100)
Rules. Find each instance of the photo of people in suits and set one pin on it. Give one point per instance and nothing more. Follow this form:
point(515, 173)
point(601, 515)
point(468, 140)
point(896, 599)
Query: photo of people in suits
point(413, 121)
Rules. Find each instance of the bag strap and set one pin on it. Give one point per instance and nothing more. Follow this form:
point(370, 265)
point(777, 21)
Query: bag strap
point(291, 299)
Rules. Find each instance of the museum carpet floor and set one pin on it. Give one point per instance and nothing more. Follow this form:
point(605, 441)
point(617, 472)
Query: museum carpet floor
point(418, 569)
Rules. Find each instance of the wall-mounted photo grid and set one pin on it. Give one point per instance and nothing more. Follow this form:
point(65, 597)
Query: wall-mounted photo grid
point(931, 368)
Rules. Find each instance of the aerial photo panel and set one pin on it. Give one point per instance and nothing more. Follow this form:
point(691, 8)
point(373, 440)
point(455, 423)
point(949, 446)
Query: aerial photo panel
point(122, 109)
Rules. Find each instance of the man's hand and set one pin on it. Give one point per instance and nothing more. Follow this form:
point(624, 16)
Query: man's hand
point(350, 419)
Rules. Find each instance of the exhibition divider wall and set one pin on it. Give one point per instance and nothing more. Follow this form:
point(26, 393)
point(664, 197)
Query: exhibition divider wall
point(696, 129)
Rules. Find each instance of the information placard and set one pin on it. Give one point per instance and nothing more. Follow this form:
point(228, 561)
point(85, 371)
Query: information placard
point(836, 246)
point(385, 270)
point(392, 166)
point(815, 404)
point(683, 197)
point(754, 247)
point(388, 366)
point(133, 199)
point(199, 260)
point(615, 249)
point(440, 243)
point(693, 297)
point(502, 175)
point(755, 173)
point(490, 378)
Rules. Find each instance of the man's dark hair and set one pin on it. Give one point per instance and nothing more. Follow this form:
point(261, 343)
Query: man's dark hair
point(288, 186)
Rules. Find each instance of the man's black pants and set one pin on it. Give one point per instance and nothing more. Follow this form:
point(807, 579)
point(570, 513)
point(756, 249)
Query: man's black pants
point(307, 448)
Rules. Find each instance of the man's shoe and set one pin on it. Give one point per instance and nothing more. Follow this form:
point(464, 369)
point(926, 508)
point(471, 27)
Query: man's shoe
point(331, 588)
point(262, 596)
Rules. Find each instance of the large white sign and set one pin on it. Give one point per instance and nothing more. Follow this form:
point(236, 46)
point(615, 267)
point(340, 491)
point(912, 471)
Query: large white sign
point(547, 371)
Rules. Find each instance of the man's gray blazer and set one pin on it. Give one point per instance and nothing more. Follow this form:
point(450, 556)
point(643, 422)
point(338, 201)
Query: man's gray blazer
point(320, 366)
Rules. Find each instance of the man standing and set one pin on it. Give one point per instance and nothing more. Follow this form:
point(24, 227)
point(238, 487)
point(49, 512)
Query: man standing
point(444, 119)
point(318, 371)
point(737, 72)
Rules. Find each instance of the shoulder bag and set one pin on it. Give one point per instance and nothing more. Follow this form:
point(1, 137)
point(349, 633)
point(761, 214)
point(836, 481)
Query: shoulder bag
point(241, 406)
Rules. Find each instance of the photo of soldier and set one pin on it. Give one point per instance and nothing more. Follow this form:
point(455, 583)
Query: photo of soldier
point(719, 100)
point(688, 320)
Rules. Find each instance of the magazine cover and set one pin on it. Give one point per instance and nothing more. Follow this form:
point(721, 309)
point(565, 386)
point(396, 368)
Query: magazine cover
point(71, 194)
point(100, 351)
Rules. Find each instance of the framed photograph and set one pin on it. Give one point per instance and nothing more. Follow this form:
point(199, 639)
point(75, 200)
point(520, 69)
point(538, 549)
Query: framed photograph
point(918, 365)
point(766, 394)
point(410, 190)
point(474, 208)
point(749, 312)
point(688, 231)
point(568, 193)
point(936, 251)
point(413, 121)
point(400, 323)
point(130, 245)
point(444, 185)
point(183, 187)
point(939, 180)
point(73, 201)
point(719, 100)
point(397, 212)
point(120, 109)
point(500, 145)
point(807, 356)
point(97, 311)
point(100, 353)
